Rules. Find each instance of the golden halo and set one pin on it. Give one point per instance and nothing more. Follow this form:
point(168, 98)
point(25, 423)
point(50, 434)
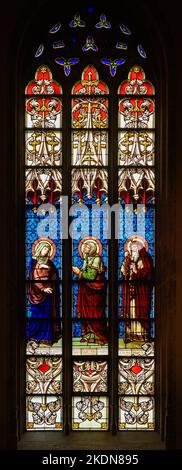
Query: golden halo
point(136, 239)
point(89, 239)
point(50, 242)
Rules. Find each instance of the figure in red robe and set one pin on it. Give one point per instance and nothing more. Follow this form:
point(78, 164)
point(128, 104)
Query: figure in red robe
point(138, 276)
point(43, 326)
point(91, 299)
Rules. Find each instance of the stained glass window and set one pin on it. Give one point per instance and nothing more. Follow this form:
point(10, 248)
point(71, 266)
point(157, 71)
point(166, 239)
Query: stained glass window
point(92, 139)
point(136, 190)
point(90, 251)
point(43, 188)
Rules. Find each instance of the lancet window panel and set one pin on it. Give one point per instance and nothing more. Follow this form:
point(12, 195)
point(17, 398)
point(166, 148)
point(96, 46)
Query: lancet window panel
point(43, 252)
point(136, 261)
point(90, 327)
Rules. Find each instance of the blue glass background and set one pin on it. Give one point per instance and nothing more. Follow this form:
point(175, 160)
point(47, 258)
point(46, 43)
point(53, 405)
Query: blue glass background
point(86, 200)
point(149, 234)
point(77, 329)
point(32, 221)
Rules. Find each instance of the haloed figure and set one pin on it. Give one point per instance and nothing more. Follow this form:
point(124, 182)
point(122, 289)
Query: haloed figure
point(91, 292)
point(137, 273)
point(43, 293)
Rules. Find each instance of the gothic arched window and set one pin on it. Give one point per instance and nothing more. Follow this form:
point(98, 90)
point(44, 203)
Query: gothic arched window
point(90, 149)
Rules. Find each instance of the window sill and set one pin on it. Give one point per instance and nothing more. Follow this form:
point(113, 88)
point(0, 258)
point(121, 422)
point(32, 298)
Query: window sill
point(90, 441)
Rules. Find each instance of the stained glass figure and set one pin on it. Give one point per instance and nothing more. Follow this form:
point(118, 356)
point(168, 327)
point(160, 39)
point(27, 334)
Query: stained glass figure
point(66, 63)
point(113, 64)
point(41, 216)
point(103, 23)
point(77, 22)
point(141, 51)
point(79, 257)
point(133, 217)
point(54, 286)
point(44, 413)
point(138, 276)
point(100, 248)
point(55, 28)
point(91, 292)
point(44, 295)
point(90, 45)
point(136, 413)
point(44, 375)
point(121, 303)
point(90, 376)
point(40, 50)
point(90, 413)
point(125, 29)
